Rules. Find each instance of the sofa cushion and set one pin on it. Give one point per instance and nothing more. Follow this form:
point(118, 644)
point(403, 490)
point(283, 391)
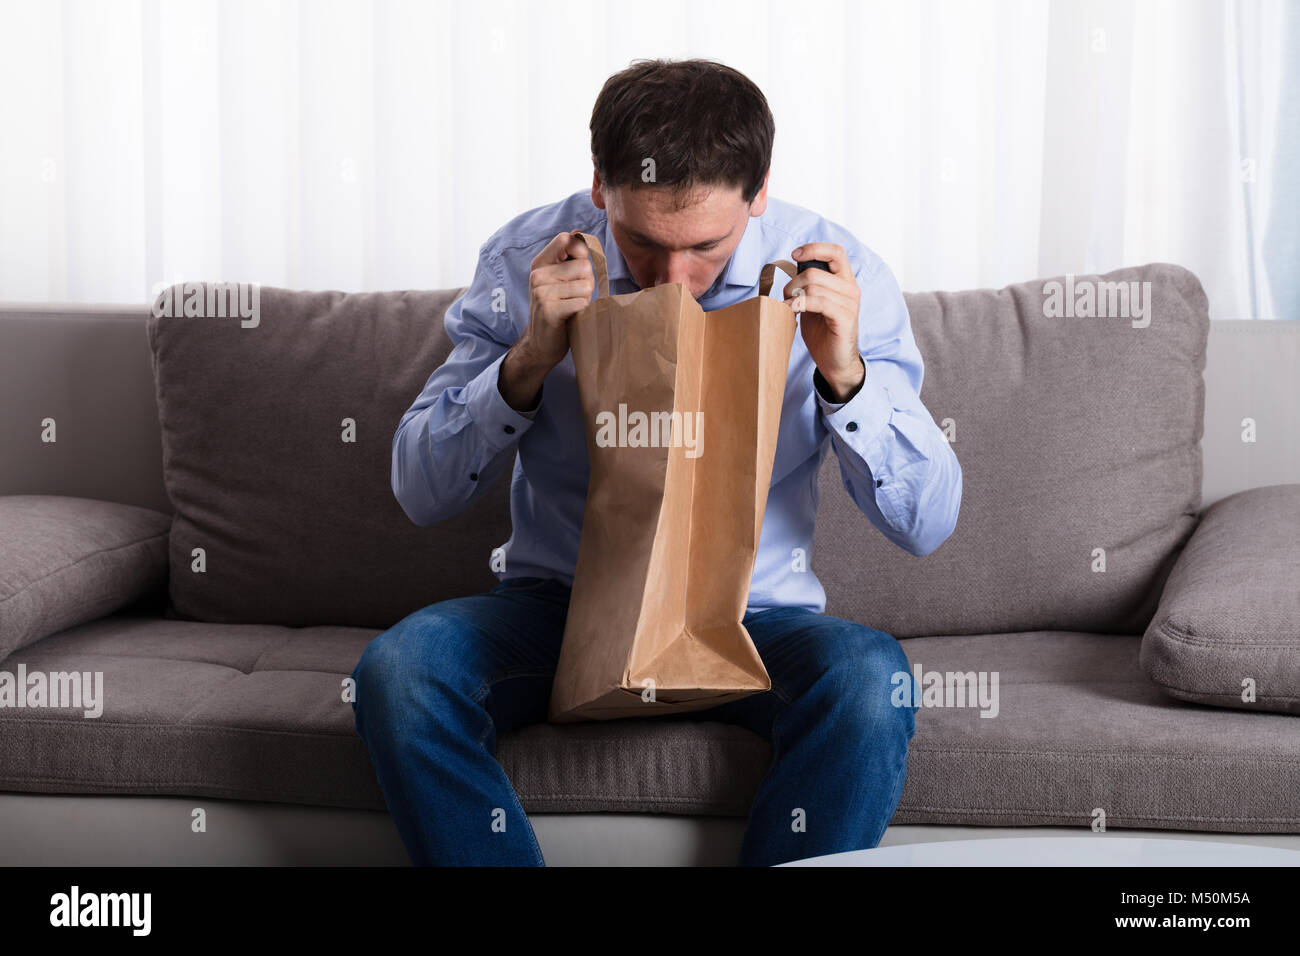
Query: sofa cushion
point(297, 524)
point(65, 560)
point(256, 712)
point(1079, 729)
point(1229, 618)
point(1078, 439)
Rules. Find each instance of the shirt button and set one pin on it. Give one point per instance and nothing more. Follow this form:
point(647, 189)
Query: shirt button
point(879, 482)
point(473, 476)
point(851, 426)
point(510, 429)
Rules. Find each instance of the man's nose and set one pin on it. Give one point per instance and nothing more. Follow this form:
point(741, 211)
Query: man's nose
point(674, 268)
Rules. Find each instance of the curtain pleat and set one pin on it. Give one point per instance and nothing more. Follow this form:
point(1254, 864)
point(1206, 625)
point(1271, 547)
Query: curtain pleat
point(375, 144)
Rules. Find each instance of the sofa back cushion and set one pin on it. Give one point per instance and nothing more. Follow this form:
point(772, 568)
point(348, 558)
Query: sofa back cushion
point(1078, 434)
point(1078, 437)
point(298, 524)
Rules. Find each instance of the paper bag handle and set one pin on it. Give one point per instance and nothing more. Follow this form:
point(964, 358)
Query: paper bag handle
point(597, 260)
point(769, 273)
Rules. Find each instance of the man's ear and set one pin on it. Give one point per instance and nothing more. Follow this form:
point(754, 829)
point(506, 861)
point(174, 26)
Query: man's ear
point(759, 205)
point(597, 195)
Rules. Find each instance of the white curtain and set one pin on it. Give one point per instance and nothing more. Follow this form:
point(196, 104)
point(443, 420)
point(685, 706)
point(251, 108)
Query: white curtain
point(375, 145)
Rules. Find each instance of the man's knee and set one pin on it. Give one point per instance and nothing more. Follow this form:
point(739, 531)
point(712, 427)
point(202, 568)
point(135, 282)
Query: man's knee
point(423, 652)
point(870, 676)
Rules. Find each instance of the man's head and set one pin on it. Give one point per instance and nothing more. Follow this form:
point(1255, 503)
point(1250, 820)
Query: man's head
point(681, 152)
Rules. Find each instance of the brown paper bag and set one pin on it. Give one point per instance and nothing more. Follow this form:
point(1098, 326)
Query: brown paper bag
point(674, 512)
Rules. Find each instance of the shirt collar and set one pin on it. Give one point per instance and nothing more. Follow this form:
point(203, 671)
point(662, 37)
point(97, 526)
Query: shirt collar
point(742, 270)
point(746, 265)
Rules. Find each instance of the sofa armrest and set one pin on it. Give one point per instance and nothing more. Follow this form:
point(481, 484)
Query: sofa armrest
point(65, 561)
point(1227, 629)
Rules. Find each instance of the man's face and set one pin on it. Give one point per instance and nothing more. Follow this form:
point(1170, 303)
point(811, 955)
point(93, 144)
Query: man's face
point(663, 244)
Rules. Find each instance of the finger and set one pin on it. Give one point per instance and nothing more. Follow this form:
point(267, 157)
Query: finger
point(815, 281)
point(556, 312)
point(563, 247)
point(561, 309)
point(824, 302)
point(819, 278)
point(830, 252)
point(576, 247)
point(582, 286)
point(553, 252)
point(566, 271)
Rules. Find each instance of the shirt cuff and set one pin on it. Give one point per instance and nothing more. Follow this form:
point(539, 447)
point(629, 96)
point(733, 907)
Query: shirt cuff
point(489, 410)
point(860, 421)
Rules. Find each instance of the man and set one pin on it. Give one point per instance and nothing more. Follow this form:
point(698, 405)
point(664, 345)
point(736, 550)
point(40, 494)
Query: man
point(435, 691)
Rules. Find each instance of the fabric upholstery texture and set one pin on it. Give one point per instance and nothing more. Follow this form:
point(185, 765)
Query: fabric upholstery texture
point(299, 526)
point(257, 712)
point(65, 561)
point(1076, 436)
point(1229, 618)
point(1073, 433)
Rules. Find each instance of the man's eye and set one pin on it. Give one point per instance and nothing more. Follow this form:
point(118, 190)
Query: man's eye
point(709, 248)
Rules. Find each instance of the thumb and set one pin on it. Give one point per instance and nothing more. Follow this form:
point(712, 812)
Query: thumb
point(576, 247)
point(563, 247)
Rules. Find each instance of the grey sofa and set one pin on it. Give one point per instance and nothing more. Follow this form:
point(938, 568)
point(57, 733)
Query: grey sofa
point(1095, 452)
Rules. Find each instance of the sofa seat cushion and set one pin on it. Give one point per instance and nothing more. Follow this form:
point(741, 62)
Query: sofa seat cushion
point(1080, 728)
point(256, 712)
point(238, 711)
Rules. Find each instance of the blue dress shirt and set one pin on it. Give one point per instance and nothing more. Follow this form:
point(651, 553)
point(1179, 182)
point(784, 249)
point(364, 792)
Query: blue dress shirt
point(459, 435)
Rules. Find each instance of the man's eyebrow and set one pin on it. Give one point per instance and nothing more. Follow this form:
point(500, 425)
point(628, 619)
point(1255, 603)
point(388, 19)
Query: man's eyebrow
point(703, 242)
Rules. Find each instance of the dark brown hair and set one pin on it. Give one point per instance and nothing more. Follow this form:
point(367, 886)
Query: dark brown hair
point(702, 123)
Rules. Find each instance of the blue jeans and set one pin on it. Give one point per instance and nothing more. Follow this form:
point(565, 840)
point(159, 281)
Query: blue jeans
point(435, 690)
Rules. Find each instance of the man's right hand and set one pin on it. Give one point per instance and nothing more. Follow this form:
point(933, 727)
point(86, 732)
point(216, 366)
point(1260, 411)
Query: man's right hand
point(560, 284)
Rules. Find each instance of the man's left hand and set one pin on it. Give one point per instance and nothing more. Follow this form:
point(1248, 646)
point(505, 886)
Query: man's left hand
point(829, 303)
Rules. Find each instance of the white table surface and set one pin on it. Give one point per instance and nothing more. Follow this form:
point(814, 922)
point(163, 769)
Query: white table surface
point(1100, 849)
